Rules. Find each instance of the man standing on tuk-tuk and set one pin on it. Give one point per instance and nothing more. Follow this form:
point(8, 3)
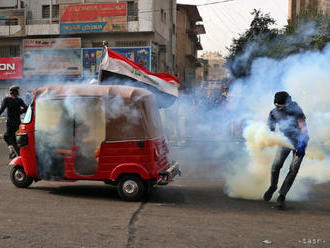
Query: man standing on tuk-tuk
point(15, 107)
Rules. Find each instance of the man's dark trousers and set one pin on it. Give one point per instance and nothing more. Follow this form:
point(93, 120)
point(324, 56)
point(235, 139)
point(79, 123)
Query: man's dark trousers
point(281, 154)
point(10, 135)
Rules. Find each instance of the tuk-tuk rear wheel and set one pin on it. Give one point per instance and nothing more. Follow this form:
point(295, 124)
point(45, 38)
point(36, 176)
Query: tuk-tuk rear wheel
point(130, 188)
point(19, 178)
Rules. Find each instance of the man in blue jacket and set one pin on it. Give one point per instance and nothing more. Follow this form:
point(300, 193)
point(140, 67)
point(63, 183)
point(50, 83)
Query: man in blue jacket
point(292, 123)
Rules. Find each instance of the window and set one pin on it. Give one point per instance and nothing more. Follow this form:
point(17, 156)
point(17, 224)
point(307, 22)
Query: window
point(131, 43)
point(216, 65)
point(9, 51)
point(97, 43)
point(132, 11)
point(8, 22)
point(28, 116)
point(46, 11)
point(162, 15)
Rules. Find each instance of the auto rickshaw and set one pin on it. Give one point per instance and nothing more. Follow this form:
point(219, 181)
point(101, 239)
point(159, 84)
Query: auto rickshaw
point(94, 132)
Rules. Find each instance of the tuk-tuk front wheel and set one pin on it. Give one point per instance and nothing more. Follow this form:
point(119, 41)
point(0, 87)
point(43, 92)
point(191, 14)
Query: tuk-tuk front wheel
point(19, 178)
point(130, 188)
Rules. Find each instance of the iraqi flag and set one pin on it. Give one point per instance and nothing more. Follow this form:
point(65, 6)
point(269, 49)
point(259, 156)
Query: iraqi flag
point(118, 64)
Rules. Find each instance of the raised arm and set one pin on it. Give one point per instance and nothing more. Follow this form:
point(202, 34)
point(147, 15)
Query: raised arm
point(271, 122)
point(23, 106)
point(3, 105)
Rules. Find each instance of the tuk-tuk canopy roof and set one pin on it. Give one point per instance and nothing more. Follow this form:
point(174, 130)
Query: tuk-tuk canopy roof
point(63, 91)
point(140, 120)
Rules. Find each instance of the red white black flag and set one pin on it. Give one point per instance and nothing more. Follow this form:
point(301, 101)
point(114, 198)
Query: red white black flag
point(117, 63)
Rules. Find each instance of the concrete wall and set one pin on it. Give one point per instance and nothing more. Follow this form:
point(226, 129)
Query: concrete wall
point(148, 28)
point(35, 7)
point(146, 15)
point(184, 45)
point(8, 3)
point(296, 6)
point(325, 6)
point(87, 40)
point(164, 34)
point(42, 29)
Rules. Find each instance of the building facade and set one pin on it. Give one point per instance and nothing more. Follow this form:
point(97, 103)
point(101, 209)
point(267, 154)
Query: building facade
point(216, 69)
point(188, 31)
point(296, 6)
point(37, 30)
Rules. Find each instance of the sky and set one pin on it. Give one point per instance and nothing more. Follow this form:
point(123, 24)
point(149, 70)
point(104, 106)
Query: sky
point(225, 21)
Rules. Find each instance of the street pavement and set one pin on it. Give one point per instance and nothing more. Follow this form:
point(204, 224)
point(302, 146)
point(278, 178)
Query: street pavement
point(193, 211)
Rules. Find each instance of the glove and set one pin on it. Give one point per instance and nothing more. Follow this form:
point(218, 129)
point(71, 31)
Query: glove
point(302, 144)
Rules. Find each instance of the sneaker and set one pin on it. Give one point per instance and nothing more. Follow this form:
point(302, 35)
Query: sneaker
point(12, 152)
point(269, 193)
point(281, 201)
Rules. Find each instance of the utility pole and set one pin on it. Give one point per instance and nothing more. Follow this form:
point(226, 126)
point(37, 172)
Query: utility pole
point(171, 36)
point(50, 11)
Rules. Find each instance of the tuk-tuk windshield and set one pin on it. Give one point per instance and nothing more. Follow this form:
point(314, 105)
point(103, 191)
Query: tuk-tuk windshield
point(64, 118)
point(28, 116)
point(64, 123)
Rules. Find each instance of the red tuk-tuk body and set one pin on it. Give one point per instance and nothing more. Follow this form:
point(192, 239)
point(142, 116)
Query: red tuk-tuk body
point(105, 133)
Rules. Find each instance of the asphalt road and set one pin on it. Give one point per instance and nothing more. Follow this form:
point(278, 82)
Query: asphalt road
point(193, 211)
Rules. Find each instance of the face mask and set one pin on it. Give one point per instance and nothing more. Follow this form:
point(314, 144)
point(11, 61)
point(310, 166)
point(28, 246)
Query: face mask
point(280, 106)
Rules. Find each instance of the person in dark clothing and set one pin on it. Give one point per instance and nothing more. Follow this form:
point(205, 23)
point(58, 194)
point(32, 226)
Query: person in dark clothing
point(15, 107)
point(292, 123)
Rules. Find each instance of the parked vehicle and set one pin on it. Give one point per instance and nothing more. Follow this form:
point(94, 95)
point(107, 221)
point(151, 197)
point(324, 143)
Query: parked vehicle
point(93, 132)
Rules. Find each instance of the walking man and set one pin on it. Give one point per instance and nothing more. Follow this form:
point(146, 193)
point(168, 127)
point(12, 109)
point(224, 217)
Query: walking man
point(15, 107)
point(291, 121)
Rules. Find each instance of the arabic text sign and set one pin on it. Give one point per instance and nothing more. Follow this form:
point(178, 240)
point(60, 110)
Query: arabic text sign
point(91, 12)
point(82, 18)
point(82, 27)
point(58, 43)
point(11, 68)
point(52, 62)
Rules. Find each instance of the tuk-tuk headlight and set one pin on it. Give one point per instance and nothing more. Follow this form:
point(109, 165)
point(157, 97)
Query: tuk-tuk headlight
point(22, 139)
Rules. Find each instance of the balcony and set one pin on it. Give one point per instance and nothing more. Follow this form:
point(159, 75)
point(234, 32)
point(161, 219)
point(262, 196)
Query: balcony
point(42, 29)
point(12, 31)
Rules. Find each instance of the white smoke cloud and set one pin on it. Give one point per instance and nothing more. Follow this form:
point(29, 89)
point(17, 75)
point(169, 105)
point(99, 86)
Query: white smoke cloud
point(306, 77)
point(246, 167)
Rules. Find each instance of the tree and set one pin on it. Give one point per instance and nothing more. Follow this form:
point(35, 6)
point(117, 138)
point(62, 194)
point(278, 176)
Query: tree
point(311, 31)
point(242, 52)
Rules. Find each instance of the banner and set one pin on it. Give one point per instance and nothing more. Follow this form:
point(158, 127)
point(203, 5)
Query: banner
point(117, 63)
point(92, 57)
point(52, 62)
point(85, 18)
point(11, 68)
point(56, 43)
point(57, 56)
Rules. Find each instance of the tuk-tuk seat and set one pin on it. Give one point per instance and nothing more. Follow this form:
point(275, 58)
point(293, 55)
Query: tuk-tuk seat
point(63, 151)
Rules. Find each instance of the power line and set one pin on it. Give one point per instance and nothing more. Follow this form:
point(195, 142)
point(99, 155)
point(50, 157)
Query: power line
point(205, 4)
point(197, 5)
point(239, 14)
point(215, 37)
point(228, 16)
point(219, 18)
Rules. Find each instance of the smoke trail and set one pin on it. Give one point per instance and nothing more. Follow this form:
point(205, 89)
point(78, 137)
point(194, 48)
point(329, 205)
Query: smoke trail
point(307, 78)
point(245, 165)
